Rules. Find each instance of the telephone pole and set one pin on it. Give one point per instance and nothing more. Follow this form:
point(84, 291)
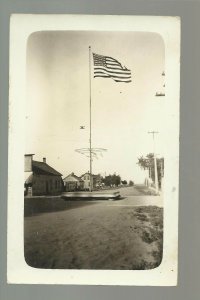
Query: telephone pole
point(155, 161)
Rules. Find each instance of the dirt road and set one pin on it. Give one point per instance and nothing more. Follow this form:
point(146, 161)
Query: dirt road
point(130, 191)
point(96, 235)
point(134, 196)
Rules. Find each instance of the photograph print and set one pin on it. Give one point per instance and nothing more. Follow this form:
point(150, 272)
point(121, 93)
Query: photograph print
point(97, 150)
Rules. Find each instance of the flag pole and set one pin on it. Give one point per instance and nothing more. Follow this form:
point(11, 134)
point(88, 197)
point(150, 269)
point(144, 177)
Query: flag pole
point(91, 183)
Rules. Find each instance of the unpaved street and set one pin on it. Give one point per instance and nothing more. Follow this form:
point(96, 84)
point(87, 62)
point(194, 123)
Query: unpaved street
point(121, 234)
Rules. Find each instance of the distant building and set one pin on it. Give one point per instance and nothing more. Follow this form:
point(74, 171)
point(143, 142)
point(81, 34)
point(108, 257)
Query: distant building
point(96, 181)
point(86, 178)
point(40, 178)
point(73, 183)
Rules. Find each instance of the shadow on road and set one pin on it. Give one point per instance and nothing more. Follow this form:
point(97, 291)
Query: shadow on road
point(34, 206)
point(37, 205)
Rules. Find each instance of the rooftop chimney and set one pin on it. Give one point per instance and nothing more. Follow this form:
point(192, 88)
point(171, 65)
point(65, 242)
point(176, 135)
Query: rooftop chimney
point(28, 158)
point(44, 160)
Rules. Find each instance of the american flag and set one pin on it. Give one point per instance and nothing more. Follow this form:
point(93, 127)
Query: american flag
point(108, 67)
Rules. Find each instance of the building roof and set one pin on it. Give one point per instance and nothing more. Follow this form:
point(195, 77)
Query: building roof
point(87, 173)
point(96, 176)
point(28, 177)
point(74, 176)
point(93, 175)
point(44, 168)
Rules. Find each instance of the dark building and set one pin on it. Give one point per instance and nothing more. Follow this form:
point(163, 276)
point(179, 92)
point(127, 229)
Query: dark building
point(40, 178)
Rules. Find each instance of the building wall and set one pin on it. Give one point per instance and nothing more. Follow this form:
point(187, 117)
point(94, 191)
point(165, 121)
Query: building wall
point(46, 185)
point(70, 178)
point(96, 181)
point(71, 186)
point(72, 183)
point(86, 179)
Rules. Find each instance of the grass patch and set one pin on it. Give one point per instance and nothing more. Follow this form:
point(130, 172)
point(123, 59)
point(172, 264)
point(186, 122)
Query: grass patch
point(150, 235)
point(151, 232)
point(142, 217)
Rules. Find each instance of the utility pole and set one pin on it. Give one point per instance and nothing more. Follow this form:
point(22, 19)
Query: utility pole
point(155, 161)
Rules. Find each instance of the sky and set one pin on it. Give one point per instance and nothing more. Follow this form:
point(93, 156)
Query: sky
point(57, 101)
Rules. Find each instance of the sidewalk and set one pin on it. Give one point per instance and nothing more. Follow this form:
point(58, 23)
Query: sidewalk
point(147, 190)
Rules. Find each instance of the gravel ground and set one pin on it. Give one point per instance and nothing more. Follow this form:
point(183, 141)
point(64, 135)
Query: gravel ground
point(98, 235)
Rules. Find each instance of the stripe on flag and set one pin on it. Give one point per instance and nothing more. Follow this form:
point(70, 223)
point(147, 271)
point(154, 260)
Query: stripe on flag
point(108, 67)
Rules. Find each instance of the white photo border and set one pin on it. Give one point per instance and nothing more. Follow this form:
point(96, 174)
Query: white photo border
point(21, 27)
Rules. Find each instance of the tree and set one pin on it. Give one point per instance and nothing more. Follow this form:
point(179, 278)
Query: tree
point(131, 183)
point(147, 163)
point(124, 182)
point(111, 180)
